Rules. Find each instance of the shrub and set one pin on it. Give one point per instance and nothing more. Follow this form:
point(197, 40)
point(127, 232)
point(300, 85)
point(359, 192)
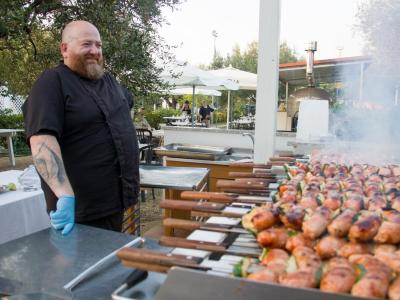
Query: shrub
point(220, 116)
point(155, 118)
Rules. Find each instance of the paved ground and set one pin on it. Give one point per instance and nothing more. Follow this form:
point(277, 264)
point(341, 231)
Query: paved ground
point(21, 163)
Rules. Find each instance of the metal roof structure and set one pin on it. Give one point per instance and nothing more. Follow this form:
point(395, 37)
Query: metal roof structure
point(325, 71)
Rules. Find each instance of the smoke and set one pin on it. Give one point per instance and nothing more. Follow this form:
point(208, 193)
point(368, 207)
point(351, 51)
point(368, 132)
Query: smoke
point(367, 123)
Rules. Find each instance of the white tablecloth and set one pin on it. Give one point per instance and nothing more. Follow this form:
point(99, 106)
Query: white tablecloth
point(21, 213)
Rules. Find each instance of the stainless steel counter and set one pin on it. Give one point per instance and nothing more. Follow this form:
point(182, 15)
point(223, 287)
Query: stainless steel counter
point(45, 261)
point(175, 178)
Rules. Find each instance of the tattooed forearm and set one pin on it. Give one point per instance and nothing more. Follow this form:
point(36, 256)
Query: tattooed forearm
point(49, 164)
point(46, 154)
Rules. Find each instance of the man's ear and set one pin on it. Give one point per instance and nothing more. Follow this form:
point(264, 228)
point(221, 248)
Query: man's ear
point(63, 49)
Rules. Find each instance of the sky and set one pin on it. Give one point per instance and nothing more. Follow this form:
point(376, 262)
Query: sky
point(329, 22)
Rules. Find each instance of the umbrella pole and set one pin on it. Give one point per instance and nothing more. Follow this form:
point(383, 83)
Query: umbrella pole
point(193, 106)
point(229, 110)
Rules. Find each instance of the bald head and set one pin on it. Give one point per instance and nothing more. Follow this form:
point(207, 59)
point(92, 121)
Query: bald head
point(75, 29)
point(81, 49)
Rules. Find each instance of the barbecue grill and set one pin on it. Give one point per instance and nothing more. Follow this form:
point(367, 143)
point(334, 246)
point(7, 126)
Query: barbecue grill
point(310, 92)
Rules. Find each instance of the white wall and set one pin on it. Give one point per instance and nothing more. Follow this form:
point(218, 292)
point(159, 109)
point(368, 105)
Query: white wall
point(220, 137)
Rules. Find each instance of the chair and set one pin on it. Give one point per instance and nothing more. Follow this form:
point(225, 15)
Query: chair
point(131, 220)
point(145, 138)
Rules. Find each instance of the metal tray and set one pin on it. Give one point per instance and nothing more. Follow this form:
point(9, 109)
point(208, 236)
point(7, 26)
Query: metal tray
point(192, 151)
point(189, 284)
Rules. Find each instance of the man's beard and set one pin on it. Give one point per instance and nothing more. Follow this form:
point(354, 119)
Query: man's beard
point(92, 70)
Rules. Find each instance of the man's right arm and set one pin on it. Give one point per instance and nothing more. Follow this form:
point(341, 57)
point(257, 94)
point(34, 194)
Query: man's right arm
point(47, 157)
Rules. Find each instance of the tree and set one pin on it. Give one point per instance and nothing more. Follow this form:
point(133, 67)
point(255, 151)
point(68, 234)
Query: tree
point(378, 22)
point(287, 54)
point(247, 60)
point(30, 32)
point(218, 62)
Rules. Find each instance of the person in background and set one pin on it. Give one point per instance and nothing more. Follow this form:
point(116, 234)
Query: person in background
point(172, 103)
point(142, 121)
point(186, 108)
point(82, 138)
point(205, 114)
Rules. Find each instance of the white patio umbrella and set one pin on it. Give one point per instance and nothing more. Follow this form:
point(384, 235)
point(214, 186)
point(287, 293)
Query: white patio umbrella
point(246, 81)
point(183, 74)
point(189, 91)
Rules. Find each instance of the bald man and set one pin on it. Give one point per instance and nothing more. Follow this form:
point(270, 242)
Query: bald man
point(83, 142)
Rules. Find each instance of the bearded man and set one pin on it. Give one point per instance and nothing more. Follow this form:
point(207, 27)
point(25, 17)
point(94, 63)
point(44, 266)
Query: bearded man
point(83, 142)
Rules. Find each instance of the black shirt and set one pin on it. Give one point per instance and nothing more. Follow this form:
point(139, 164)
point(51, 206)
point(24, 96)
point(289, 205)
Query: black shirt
point(91, 121)
point(205, 111)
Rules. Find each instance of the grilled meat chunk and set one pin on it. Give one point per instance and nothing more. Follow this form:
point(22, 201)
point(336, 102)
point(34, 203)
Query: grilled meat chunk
point(316, 224)
point(352, 248)
point(276, 260)
point(273, 238)
point(264, 275)
point(306, 259)
point(299, 279)
point(264, 219)
point(340, 226)
point(394, 289)
point(298, 240)
point(365, 228)
point(328, 246)
point(339, 276)
point(293, 217)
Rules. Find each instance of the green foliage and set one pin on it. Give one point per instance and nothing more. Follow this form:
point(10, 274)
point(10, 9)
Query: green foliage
point(287, 54)
point(246, 60)
point(220, 116)
point(30, 32)
point(218, 62)
point(10, 121)
point(155, 118)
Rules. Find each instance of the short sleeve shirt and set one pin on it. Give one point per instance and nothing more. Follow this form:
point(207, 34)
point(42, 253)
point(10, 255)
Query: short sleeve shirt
point(91, 121)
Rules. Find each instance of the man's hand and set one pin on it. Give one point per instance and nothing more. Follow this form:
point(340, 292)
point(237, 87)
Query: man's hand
point(64, 217)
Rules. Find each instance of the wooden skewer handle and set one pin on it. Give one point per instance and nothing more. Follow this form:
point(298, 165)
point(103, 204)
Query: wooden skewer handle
point(250, 175)
point(158, 258)
point(182, 224)
point(170, 241)
point(191, 205)
point(210, 196)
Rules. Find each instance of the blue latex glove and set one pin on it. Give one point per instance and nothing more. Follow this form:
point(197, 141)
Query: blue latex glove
point(64, 217)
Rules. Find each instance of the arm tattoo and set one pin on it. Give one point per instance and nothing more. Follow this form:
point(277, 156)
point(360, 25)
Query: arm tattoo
point(49, 164)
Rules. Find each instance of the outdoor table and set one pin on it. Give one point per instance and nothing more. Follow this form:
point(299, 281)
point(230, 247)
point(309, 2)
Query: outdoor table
point(171, 120)
point(241, 123)
point(174, 180)
point(21, 213)
point(9, 134)
point(45, 261)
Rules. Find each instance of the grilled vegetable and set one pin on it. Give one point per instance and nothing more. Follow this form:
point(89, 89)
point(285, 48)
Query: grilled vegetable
point(240, 268)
